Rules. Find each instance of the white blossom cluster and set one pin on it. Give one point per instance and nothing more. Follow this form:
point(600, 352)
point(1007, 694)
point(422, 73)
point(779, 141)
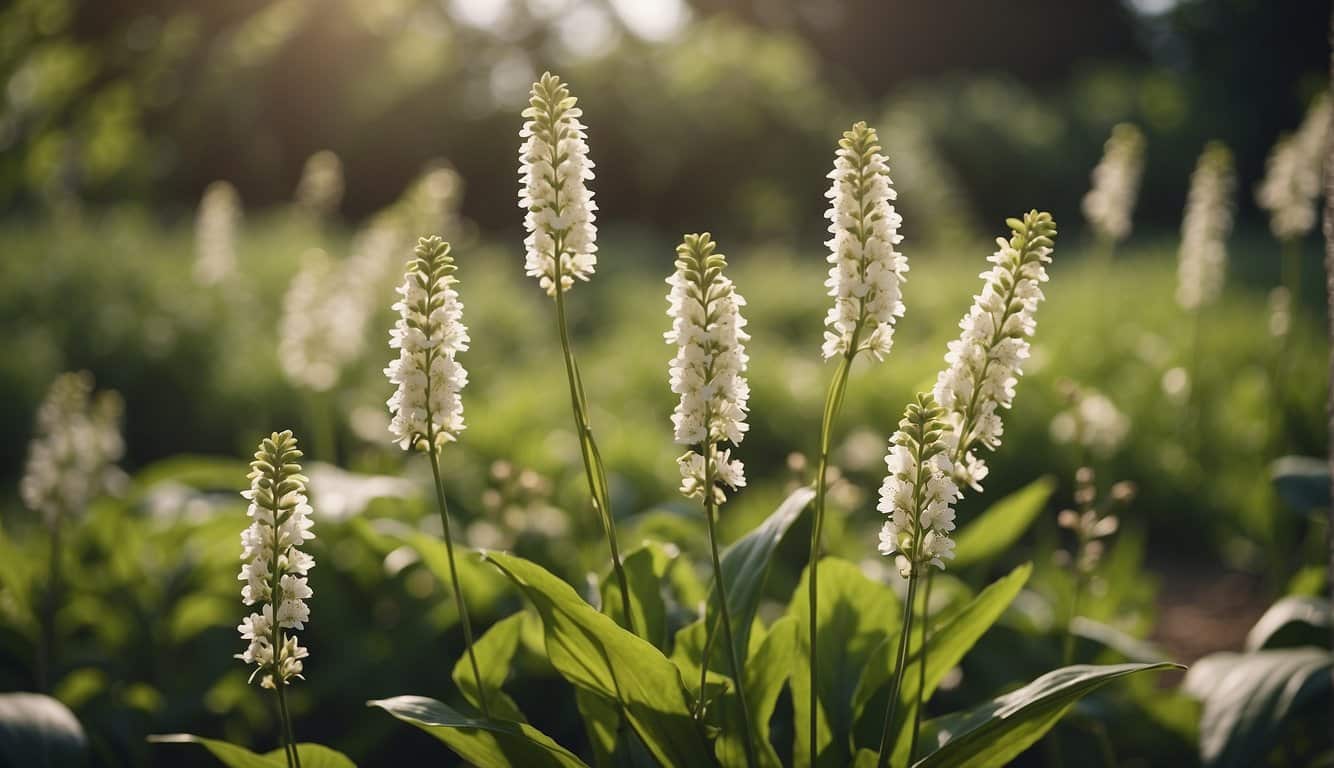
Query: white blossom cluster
point(1293, 174)
point(320, 190)
point(216, 224)
point(984, 364)
point(708, 369)
point(73, 453)
point(1111, 200)
point(554, 170)
point(426, 409)
point(274, 569)
point(1202, 258)
point(865, 273)
point(1092, 421)
point(919, 492)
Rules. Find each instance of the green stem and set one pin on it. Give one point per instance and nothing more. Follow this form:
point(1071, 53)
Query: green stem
point(46, 650)
point(709, 630)
point(289, 736)
point(1068, 643)
point(921, 665)
point(897, 687)
point(454, 577)
point(593, 469)
point(1292, 270)
point(832, 404)
point(737, 670)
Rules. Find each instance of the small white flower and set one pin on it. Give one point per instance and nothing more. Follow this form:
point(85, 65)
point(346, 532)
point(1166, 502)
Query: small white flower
point(919, 492)
point(708, 369)
point(215, 233)
point(984, 364)
point(865, 273)
point(554, 172)
point(1111, 200)
point(274, 568)
point(1202, 258)
point(427, 409)
point(1293, 174)
point(72, 456)
point(1092, 421)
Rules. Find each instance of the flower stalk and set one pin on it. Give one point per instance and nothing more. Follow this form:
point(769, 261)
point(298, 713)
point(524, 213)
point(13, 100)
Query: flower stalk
point(865, 279)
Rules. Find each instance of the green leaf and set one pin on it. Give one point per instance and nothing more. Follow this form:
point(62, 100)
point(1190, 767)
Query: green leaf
point(1249, 698)
point(233, 756)
point(1302, 482)
point(596, 655)
point(766, 672)
point(746, 564)
point(203, 473)
point(995, 733)
point(952, 635)
point(495, 650)
point(1292, 622)
point(646, 571)
point(614, 744)
point(996, 530)
point(480, 586)
point(856, 616)
point(485, 743)
point(39, 730)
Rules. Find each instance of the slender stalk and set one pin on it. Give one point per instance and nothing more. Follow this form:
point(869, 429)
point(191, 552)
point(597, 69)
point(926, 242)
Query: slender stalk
point(710, 509)
point(832, 405)
point(709, 633)
point(289, 736)
point(904, 636)
point(1292, 269)
point(46, 650)
point(921, 665)
point(593, 469)
point(1068, 642)
point(454, 577)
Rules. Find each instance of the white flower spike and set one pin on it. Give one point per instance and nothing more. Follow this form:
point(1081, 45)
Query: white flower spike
point(708, 369)
point(1111, 201)
point(866, 272)
point(554, 170)
point(426, 408)
point(1293, 174)
point(72, 456)
point(918, 493)
point(1202, 258)
point(275, 568)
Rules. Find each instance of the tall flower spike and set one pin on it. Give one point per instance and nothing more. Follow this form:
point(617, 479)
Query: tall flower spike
point(275, 568)
point(1202, 258)
point(426, 408)
point(553, 171)
point(320, 190)
point(1111, 201)
point(1293, 173)
point(72, 456)
point(866, 272)
point(919, 491)
point(215, 233)
point(984, 364)
point(708, 369)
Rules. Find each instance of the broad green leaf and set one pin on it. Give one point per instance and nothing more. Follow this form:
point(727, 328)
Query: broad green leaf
point(688, 653)
point(486, 743)
point(1302, 482)
point(951, 637)
point(995, 733)
point(614, 744)
point(1248, 698)
point(746, 564)
point(480, 586)
point(997, 529)
point(1292, 622)
point(39, 730)
point(856, 616)
point(234, 756)
point(766, 672)
point(646, 571)
point(494, 650)
point(594, 654)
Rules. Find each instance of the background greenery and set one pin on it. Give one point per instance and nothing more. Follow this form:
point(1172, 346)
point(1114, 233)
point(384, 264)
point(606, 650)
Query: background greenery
point(117, 114)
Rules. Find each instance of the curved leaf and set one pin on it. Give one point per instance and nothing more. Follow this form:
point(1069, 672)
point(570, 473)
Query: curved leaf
point(857, 616)
point(766, 672)
point(646, 571)
point(595, 654)
point(952, 635)
point(38, 730)
point(995, 733)
point(1302, 482)
point(1248, 698)
point(1292, 622)
point(489, 743)
point(234, 756)
point(494, 650)
point(997, 529)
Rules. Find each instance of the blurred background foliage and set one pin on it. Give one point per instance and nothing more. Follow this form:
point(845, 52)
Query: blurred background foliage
point(703, 114)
